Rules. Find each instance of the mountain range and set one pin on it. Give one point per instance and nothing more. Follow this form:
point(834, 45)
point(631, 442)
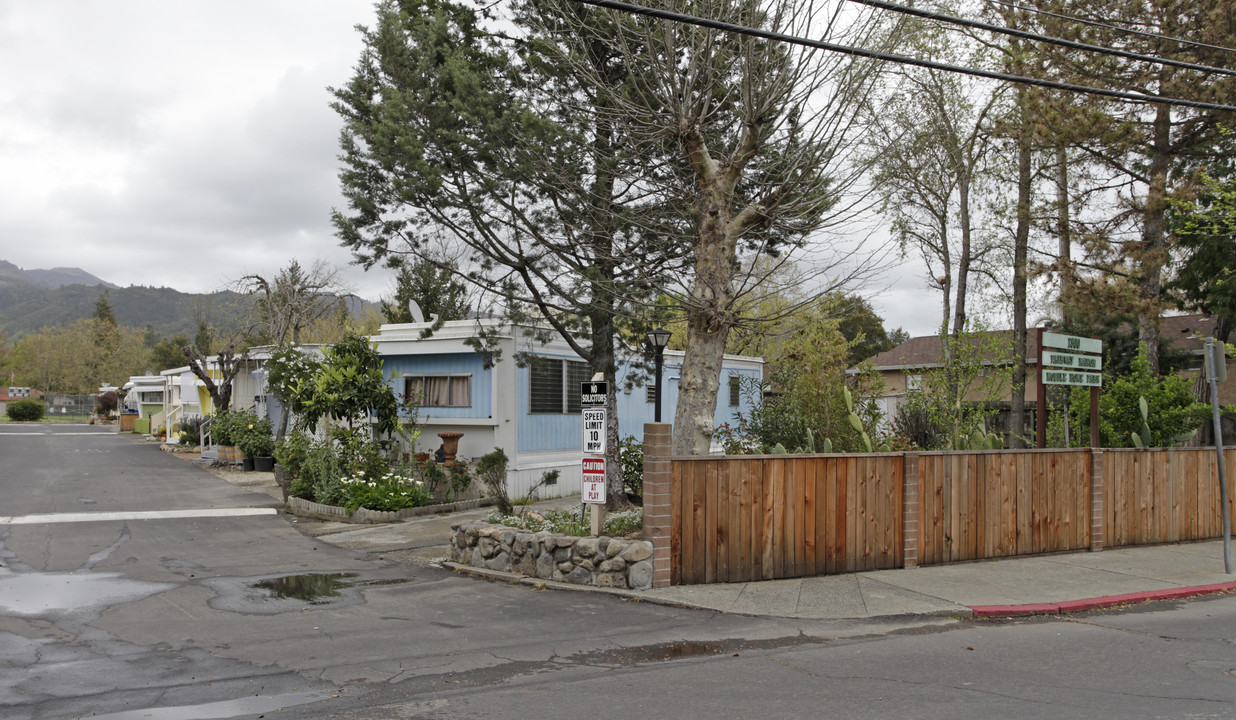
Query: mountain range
point(34, 299)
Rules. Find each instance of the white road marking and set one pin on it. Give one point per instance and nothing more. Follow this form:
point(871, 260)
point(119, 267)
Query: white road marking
point(133, 515)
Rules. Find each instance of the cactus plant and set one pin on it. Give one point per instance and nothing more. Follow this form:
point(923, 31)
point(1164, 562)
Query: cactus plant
point(1142, 439)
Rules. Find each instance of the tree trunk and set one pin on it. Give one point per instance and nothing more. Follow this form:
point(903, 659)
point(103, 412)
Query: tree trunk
point(1154, 233)
point(1064, 266)
point(1021, 244)
point(709, 319)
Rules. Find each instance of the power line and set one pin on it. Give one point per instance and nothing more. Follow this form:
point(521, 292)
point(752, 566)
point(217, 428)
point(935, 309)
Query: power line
point(1025, 34)
point(1106, 26)
point(902, 59)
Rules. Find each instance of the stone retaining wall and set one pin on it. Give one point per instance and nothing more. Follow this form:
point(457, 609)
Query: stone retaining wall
point(602, 562)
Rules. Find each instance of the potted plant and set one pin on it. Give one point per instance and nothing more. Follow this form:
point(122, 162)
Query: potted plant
point(253, 437)
point(221, 433)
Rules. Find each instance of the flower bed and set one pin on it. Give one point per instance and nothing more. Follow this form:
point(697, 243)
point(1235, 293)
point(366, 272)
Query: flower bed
point(363, 516)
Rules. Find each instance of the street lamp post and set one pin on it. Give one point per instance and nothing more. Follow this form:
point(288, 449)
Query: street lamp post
point(659, 339)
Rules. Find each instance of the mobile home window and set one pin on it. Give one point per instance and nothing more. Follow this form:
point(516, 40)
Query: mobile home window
point(554, 385)
point(438, 390)
point(735, 395)
point(650, 392)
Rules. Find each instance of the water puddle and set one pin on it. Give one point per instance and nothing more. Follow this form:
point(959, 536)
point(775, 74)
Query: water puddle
point(313, 589)
point(285, 593)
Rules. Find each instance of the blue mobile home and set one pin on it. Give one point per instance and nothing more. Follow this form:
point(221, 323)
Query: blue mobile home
point(530, 411)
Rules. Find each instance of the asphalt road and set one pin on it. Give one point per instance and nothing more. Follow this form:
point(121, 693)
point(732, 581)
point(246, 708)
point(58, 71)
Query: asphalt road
point(170, 609)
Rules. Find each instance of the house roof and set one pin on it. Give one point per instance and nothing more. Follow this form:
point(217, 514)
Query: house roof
point(1183, 331)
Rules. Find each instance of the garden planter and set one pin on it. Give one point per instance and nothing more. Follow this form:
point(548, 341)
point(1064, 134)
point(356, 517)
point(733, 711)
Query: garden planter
point(450, 446)
point(246, 464)
point(263, 463)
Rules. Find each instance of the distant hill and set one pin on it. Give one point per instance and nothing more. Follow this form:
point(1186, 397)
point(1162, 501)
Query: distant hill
point(54, 278)
point(33, 299)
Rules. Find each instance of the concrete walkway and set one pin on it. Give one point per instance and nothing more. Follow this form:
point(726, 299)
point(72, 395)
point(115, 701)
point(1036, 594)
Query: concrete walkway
point(992, 588)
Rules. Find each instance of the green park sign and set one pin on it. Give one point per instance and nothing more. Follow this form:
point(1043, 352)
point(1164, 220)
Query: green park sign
point(1069, 360)
point(1072, 343)
point(1070, 377)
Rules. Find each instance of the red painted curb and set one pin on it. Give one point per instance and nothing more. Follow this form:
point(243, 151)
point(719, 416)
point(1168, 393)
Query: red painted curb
point(1071, 606)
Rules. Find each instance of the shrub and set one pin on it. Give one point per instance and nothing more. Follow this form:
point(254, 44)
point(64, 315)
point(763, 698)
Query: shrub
point(221, 427)
point(491, 469)
point(631, 453)
point(25, 410)
point(189, 431)
point(292, 450)
point(1173, 413)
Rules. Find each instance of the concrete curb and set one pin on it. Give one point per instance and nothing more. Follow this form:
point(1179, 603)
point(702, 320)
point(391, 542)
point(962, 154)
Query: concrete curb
point(960, 612)
point(516, 578)
point(1072, 606)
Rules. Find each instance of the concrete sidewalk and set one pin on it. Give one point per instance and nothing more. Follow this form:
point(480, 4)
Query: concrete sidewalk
point(991, 588)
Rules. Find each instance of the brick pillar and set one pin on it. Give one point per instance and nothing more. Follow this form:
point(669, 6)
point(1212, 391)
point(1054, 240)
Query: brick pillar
point(1096, 499)
point(909, 511)
point(658, 476)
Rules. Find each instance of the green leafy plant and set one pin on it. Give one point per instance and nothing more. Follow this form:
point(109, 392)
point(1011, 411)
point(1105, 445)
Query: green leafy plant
point(631, 454)
point(25, 410)
point(250, 433)
point(189, 431)
point(292, 451)
point(568, 522)
point(491, 469)
point(221, 427)
point(1171, 414)
point(388, 492)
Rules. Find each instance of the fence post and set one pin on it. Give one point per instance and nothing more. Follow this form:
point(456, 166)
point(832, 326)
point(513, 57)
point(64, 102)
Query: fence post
point(658, 477)
point(909, 511)
point(1096, 499)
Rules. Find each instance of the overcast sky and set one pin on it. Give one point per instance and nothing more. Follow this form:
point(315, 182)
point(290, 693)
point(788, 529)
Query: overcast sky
point(186, 144)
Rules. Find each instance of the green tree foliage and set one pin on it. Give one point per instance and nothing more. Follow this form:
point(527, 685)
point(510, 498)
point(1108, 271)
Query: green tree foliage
point(959, 397)
point(487, 140)
point(807, 403)
point(168, 353)
point(348, 386)
point(1204, 227)
point(103, 310)
point(1173, 413)
point(436, 288)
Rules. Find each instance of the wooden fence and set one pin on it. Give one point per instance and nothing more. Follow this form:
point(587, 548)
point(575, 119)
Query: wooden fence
point(755, 518)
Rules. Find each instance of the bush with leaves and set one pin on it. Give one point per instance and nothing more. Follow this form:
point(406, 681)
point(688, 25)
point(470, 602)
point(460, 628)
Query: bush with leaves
point(1173, 414)
point(221, 427)
point(491, 469)
point(25, 410)
point(631, 453)
point(189, 431)
point(251, 434)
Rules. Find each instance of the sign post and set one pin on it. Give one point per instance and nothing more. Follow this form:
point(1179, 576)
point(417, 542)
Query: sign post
point(594, 400)
point(1216, 370)
point(1061, 362)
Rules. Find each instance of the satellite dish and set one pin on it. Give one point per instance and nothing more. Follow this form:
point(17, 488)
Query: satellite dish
point(417, 315)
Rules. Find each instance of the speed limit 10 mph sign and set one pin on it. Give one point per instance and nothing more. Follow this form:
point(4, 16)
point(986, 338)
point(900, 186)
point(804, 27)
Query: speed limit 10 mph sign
point(594, 431)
